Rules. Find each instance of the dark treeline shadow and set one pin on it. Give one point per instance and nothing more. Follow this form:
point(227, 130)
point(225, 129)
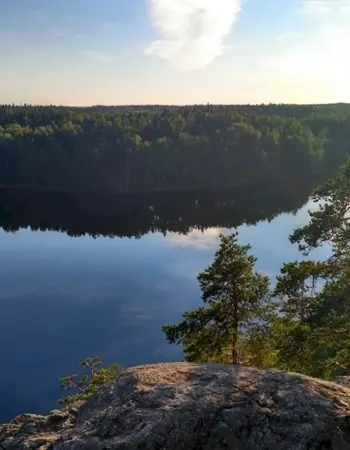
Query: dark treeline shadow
point(136, 215)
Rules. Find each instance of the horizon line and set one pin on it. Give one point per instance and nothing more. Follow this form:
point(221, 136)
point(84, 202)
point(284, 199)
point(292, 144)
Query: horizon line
point(179, 105)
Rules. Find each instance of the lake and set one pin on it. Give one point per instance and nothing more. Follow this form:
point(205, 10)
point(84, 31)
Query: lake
point(100, 275)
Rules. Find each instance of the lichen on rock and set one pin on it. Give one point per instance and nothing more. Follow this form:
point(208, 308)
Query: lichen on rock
point(187, 406)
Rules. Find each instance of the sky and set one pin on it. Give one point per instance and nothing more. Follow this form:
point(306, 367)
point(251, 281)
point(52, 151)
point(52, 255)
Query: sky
point(85, 52)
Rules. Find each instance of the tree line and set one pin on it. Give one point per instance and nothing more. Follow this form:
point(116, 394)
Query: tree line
point(143, 149)
point(302, 323)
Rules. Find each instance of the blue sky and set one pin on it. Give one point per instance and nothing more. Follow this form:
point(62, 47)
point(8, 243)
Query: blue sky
point(83, 52)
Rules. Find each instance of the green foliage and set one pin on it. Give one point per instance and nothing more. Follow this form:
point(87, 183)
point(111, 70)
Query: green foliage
point(298, 286)
point(88, 384)
point(331, 222)
point(237, 301)
point(307, 329)
point(257, 349)
point(316, 295)
point(128, 149)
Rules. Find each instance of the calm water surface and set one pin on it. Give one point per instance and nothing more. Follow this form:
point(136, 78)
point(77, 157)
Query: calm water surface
point(80, 278)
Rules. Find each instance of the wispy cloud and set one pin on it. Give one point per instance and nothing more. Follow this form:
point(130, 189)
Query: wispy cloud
point(289, 37)
point(321, 54)
point(58, 33)
point(316, 7)
point(193, 32)
point(83, 36)
point(98, 56)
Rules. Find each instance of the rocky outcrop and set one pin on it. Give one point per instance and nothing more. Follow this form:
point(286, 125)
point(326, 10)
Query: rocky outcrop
point(193, 407)
point(33, 431)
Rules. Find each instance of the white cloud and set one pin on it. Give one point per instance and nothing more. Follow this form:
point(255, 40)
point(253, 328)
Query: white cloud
point(98, 56)
point(192, 32)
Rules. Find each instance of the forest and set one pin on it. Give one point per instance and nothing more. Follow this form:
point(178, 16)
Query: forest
point(299, 322)
point(156, 148)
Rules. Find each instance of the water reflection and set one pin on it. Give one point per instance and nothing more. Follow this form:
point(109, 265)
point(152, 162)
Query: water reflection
point(197, 239)
point(135, 215)
point(64, 299)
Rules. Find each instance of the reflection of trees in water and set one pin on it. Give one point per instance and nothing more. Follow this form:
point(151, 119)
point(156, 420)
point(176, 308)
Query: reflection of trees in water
point(136, 215)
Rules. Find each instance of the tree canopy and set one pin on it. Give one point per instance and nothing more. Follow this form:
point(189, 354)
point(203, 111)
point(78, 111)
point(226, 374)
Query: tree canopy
point(143, 149)
point(237, 299)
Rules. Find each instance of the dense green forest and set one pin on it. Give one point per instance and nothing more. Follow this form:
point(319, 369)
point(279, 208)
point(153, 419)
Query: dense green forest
point(299, 324)
point(133, 149)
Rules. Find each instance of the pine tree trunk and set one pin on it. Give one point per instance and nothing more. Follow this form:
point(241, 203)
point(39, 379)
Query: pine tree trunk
point(234, 349)
point(235, 333)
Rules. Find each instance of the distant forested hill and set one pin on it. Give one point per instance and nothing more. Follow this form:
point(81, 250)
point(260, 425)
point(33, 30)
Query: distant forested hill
point(157, 148)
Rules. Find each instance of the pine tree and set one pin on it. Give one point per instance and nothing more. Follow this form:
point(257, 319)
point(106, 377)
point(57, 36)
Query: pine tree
point(236, 300)
point(298, 287)
point(314, 336)
point(87, 384)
